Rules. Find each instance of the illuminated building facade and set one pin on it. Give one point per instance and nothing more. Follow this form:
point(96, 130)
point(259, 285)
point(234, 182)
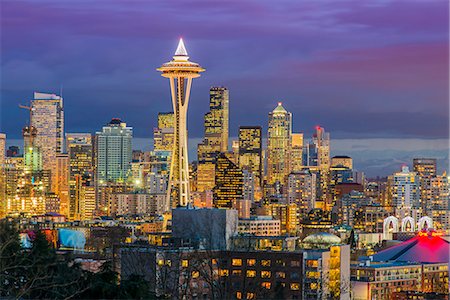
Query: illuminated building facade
point(426, 170)
point(278, 147)
point(405, 189)
point(114, 152)
point(250, 151)
point(229, 183)
point(216, 126)
point(47, 118)
point(342, 160)
point(163, 135)
point(62, 183)
point(180, 72)
point(81, 172)
point(2, 174)
point(296, 154)
point(206, 176)
point(302, 190)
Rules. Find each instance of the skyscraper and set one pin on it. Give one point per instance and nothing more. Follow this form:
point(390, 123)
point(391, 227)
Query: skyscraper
point(180, 72)
point(2, 174)
point(250, 151)
point(278, 147)
point(302, 190)
point(405, 189)
point(80, 151)
point(229, 183)
point(47, 118)
point(426, 170)
point(163, 135)
point(62, 182)
point(114, 152)
point(296, 155)
point(216, 125)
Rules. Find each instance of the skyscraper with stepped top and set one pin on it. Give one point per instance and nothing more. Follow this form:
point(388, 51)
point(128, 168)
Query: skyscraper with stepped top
point(180, 72)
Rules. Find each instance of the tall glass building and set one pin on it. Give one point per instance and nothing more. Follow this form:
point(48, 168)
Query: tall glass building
point(278, 144)
point(114, 154)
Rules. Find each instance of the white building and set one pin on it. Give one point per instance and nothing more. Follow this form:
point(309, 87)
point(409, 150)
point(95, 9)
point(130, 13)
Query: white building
point(260, 226)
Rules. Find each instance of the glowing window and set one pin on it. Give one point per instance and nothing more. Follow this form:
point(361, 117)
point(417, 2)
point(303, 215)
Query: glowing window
point(251, 262)
point(295, 286)
point(280, 275)
point(185, 263)
point(250, 296)
point(251, 273)
point(223, 272)
point(266, 285)
point(195, 274)
point(265, 263)
point(265, 274)
point(236, 262)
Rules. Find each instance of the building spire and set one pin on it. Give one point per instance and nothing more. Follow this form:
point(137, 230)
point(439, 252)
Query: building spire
point(181, 49)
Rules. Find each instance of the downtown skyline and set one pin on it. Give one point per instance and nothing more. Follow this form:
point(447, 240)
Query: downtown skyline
point(357, 77)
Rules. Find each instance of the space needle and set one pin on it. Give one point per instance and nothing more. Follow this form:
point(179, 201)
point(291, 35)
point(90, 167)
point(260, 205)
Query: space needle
point(180, 72)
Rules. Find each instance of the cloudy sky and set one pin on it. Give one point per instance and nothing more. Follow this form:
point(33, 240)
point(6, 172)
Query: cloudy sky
point(361, 69)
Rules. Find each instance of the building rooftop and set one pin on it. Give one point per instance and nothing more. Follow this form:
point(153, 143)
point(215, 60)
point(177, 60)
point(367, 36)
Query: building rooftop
point(426, 247)
point(322, 238)
point(279, 108)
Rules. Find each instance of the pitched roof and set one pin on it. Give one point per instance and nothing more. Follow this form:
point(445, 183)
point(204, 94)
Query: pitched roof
point(427, 247)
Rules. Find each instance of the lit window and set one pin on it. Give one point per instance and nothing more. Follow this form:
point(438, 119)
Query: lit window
point(161, 262)
point(265, 263)
point(185, 263)
point(265, 274)
point(195, 274)
point(313, 286)
point(238, 295)
point(236, 262)
point(250, 296)
point(295, 286)
point(169, 262)
point(251, 262)
point(280, 275)
point(266, 285)
point(312, 263)
point(251, 273)
point(223, 272)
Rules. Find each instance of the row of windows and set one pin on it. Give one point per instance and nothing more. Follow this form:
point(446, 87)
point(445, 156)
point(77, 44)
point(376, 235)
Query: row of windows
point(237, 262)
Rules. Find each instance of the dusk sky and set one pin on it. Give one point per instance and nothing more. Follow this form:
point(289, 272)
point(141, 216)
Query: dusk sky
point(361, 69)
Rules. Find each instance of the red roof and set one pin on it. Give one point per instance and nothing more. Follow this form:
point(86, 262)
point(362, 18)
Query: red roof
point(427, 247)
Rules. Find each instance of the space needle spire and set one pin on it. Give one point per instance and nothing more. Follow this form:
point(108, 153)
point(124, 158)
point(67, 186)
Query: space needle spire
point(180, 72)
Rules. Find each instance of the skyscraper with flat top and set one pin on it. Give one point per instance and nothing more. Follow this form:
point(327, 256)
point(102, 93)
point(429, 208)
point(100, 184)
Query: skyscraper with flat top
point(180, 72)
point(114, 152)
point(278, 144)
point(250, 151)
point(47, 118)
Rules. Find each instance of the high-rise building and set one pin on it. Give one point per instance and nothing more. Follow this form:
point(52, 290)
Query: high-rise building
point(32, 153)
point(13, 151)
point(2, 174)
point(296, 153)
point(302, 190)
point(250, 151)
point(163, 135)
point(229, 183)
point(62, 182)
point(322, 140)
point(426, 170)
point(206, 176)
point(180, 72)
point(405, 189)
point(278, 147)
point(81, 172)
point(216, 126)
point(47, 118)
point(2, 149)
point(114, 152)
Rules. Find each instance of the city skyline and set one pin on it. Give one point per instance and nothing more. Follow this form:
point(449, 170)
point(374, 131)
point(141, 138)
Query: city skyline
point(361, 88)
